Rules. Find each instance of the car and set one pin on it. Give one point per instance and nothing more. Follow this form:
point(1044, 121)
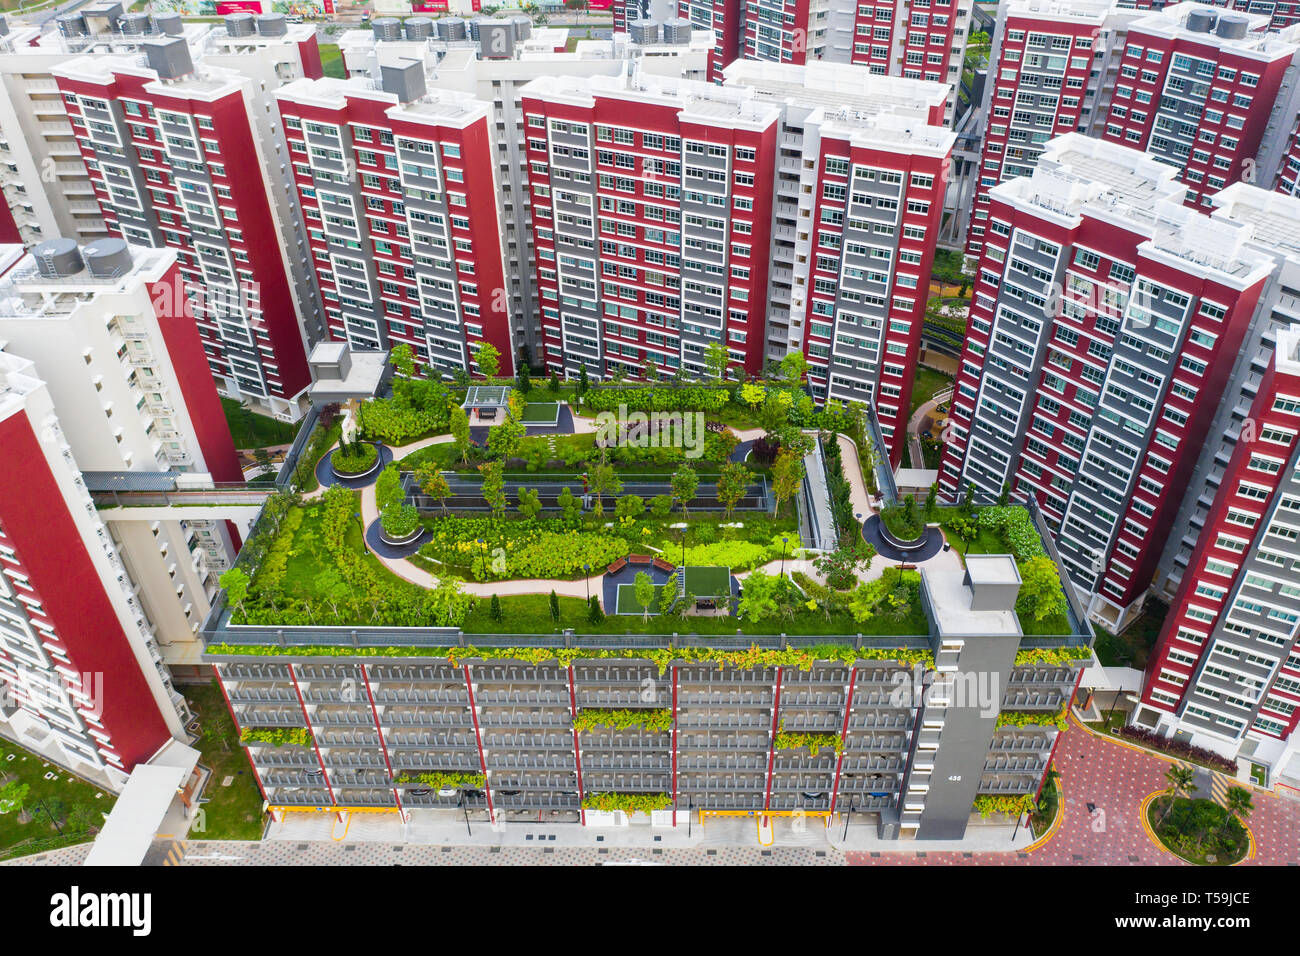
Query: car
point(447, 791)
point(419, 792)
point(942, 409)
point(927, 434)
point(293, 19)
point(510, 793)
point(365, 17)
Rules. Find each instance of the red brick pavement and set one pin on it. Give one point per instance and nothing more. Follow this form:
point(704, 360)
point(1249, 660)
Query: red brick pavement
point(1115, 779)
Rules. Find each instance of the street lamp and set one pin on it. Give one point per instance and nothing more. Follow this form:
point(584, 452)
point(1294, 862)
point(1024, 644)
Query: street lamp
point(784, 540)
point(587, 581)
point(847, 820)
point(684, 530)
point(460, 802)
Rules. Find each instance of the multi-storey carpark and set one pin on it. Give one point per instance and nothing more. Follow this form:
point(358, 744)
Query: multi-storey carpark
point(398, 191)
point(1098, 335)
point(1209, 93)
point(652, 221)
point(175, 161)
point(1226, 670)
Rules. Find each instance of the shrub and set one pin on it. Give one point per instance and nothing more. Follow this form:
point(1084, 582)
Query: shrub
point(388, 488)
point(1177, 748)
point(661, 506)
point(399, 520)
point(1016, 529)
point(627, 802)
point(656, 719)
point(355, 458)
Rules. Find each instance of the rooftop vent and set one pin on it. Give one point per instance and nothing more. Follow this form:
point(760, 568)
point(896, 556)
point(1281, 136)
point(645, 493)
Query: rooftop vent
point(405, 81)
point(169, 57)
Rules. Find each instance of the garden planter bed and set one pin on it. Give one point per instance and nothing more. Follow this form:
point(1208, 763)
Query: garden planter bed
point(402, 541)
point(374, 465)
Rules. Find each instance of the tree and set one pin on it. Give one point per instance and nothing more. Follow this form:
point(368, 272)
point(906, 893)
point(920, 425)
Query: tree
point(758, 597)
point(794, 367)
point(524, 378)
point(569, 504)
point(582, 379)
point(488, 360)
point(842, 565)
point(774, 413)
point(685, 482)
point(604, 480)
point(669, 594)
point(1179, 778)
point(402, 359)
point(787, 476)
point(594, 613)
point(733, 482)
point(661, 505)
point(430, 479)
point(645, 593)
point(458, 424)
point(530, 504)
point(932, 502)
point(494, 486)
point(1040, 594)
point(494, 609)
point(1005, 494)
point(82, 818)
point(13, 795)
point(630, 506)
point(505, 439)
point(235, 581)
point(555, 606)
point(968, 502)
point(716, 358)
point(554, 383)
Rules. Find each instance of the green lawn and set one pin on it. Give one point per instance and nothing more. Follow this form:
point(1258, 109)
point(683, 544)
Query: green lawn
point(1132, 648)
point(251, 430)
point(708, 582)
point(77, 806)
point(331, 60)
point(627, 602)
point(925, 383)
point(541, 413)
point(233, 812)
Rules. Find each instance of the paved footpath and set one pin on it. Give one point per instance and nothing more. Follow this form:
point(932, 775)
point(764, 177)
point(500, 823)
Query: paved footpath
point(1115, 778)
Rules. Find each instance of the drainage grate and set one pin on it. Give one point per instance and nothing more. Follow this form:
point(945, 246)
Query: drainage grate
point(658, 839)
point(446, 849)
point(600, 839)
point(398, 849)
point(548, 849)
point(968, 855)
point(820, 853)
point(711, 852)
point(603, 849)
point(1134, 859)
point(494, 849)
point(301, 846)
point(920, 854)
point(766, 853)
point(1077, 857)
point(658, 851)
point(349, 849)
point(1022, 855)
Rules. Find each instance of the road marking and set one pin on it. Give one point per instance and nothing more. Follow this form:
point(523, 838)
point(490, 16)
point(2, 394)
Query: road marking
point(175, 854)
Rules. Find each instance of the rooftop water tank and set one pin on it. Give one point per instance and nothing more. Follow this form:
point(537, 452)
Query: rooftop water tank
point(451, 29)
point(58, 258)
point(272, 25)
point(1232, 27)
point(387, 28)
point(107, 258)
point(677, 30)
point(522, 25)
point(644, 31)
point(418, 28)
point(239, 24)
point(136, 24)
point(170, 24)
point(71, 25)
point(1200, 21)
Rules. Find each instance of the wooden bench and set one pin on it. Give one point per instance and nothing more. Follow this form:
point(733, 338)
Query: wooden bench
point(706, 604)
point(617, 566)
point(663, 565)
point(640, 558)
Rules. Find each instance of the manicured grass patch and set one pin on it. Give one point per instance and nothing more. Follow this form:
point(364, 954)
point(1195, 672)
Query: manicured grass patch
point(627, 603)
point(251, 430)
point(1133, 646)
point(77, 806)
point(331, 60)
point(1199, 831)
point(541, 413)
point(233, 812)
point(708, 582)
point(925, 383)
point(1049, 805)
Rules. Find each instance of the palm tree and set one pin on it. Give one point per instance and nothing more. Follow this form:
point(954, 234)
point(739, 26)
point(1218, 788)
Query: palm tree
point(1238, 804)
point(1179, 777)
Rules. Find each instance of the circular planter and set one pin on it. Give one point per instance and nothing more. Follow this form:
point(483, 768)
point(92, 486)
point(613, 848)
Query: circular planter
point(400, 542)
point(904, 544)
point(350, 475)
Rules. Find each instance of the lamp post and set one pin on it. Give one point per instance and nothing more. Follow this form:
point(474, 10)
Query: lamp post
point(460, 801)
point(587, 581)
point(684, 530)
point(784, 540)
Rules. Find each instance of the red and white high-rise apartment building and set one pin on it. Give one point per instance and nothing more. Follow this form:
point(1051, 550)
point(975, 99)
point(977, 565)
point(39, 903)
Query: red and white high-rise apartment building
point(1105, 325)
point(1211, 92)
point(918, 40)
point(860, 177)
point(182, 151)
point(104, 393)
point(399, 193)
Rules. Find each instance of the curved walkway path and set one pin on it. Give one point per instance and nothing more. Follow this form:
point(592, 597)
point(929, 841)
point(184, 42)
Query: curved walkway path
point(872, 534)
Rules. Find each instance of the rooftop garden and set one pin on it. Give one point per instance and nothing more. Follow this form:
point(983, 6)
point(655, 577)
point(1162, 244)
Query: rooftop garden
point(544, 516)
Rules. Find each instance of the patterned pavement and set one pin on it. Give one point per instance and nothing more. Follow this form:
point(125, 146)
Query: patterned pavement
point(1114, 778)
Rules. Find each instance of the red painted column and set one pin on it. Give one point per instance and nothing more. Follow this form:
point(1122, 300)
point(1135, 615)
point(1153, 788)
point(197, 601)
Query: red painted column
point(383, 747)
point(312, 730)
point(577, 754)
point(478, 741)
point(844, 735)
point(771, 751)
point(674, 745)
